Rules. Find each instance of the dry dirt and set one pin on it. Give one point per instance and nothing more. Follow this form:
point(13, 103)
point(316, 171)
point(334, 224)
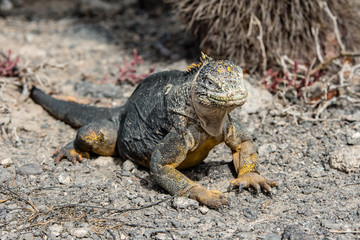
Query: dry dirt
point(315, 163)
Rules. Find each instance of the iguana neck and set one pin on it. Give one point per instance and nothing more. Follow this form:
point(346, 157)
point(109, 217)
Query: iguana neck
point(212, 119)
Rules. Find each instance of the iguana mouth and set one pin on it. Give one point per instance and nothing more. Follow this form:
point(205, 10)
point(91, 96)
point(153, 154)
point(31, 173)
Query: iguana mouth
point(237, 99)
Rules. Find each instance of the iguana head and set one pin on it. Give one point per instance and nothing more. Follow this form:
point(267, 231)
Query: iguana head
point(217, 88)
point(218, 84)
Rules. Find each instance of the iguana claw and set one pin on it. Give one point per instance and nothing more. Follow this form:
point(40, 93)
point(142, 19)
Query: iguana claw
point(253, 180)
point(210, 198)
point(69, 152)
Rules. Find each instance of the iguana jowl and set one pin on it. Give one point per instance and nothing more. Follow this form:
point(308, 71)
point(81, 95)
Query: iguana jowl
point(171, 122)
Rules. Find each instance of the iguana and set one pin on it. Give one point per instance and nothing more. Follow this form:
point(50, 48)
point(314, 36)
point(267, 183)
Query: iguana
point(171, 122)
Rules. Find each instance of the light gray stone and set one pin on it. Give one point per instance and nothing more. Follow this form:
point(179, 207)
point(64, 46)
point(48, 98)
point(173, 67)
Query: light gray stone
point(64, 178)
point(346, 158)
point(79, 232)
point(184, 203)
point(29, 169)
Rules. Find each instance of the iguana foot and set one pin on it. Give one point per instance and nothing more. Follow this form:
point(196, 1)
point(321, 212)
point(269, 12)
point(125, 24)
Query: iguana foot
point(253, 180)
point(69, 152)
point(210, 198)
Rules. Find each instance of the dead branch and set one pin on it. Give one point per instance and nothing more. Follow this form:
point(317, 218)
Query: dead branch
point(344, 231)
point(116, 210)
point(330, 60)
point(255, 20)
point(315, 32)
point(20, 198)
point(325, 6)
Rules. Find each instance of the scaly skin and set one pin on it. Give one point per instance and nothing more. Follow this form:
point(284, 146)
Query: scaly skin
point(171, 122)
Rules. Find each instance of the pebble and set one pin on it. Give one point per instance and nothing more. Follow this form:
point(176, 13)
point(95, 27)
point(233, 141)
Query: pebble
point(272, 236)
point(346, 158)
point(103, 161)
point(162, 236)
point(79, 232)
point(6, 162)
point(266, 149)
point(293, 232)
point(203, 210)
point(29, 169)
point(12, 206)
point(353, 138)
point(6, 5)
point(250, 213)
point(139, 201)
point(27, 236)
point(64, 178)
point(55, 230)
point(185, 203)
point(128, 165)
point(5, 175)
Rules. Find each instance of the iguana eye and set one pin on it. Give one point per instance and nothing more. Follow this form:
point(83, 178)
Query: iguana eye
point(209, 83)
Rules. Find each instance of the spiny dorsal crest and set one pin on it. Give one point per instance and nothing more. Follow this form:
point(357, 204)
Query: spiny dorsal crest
point(196, 66)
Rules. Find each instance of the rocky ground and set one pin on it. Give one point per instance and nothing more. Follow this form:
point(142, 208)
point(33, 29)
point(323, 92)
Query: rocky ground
point(79, 46)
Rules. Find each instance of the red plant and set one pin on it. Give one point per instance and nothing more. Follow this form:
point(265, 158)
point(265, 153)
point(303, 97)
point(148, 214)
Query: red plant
point(8, 67)
point(276, 81)
point(128, 72)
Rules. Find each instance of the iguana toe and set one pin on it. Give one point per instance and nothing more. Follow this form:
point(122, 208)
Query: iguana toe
point(70, 153)
point(253, 180)
point(210, 198)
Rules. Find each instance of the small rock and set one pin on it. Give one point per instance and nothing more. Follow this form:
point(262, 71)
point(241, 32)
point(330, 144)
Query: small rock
point(353, 138)
point(125, 173)
point(27, 236)
point(272, 236)
point(55, 230)
point(6, 162)
point(98, 7)
point(162, 236)
point(64, 178)
point(131, 195)
point(79, 232)
point(185, 203)
point(5, 175)
point(128, 165)
point(293, 232)
point(352, 117)
point(266, 149)
point(12, 206)
point(175, 223)
point(103, 161)
point(346, 158)
point(203, 210)
point(329, 225)
point(139, 201)
point(5, 5)
point(250, 213)
point(122, 236)
point(316, 173)
point(29, 169)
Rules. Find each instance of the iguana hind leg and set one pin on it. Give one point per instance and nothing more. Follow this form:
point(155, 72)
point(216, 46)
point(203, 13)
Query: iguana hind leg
point(96, 137)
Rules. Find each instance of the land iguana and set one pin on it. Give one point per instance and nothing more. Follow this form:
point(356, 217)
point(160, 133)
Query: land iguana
point(171, 122)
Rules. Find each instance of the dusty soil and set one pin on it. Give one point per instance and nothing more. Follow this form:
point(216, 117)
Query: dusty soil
point(315, 163)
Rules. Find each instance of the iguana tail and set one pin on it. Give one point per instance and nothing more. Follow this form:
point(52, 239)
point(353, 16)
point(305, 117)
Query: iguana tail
point(74, 114)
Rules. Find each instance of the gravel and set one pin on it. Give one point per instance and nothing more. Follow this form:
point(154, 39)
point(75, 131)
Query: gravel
point(315, 163)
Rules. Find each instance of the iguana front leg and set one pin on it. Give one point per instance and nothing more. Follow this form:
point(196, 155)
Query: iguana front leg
point(167, 156)
point(245, 159)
